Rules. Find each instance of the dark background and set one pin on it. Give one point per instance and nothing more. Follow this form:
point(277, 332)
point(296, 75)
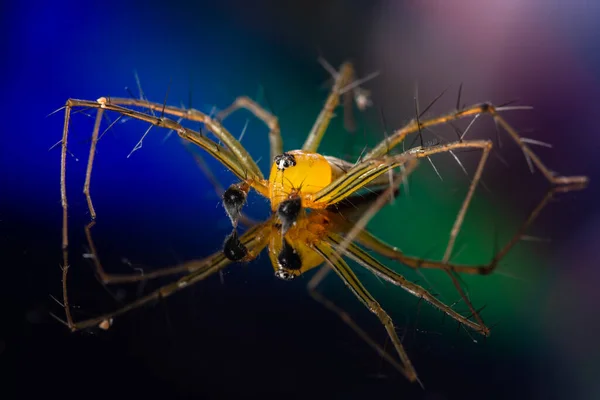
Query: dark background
point(249, 334)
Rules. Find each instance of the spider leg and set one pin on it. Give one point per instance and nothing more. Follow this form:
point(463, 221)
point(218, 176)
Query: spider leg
point(566, 183)
point(345, 317)
point(219, 190)
point(275, 140)
point(368, 240)
point(398, 137)
point(336, 263)
point(342, 78)
point(212, 124)
point(254, 241)
point(420, 152)
point(345, 166)
point(367, 261)
point(107, 278)
point(234, 157)
point(485, 146)
point(357, 178)
point(88, 172)
point(368, 171)
point(237, 160)
point(365, 172)
point(238, 164)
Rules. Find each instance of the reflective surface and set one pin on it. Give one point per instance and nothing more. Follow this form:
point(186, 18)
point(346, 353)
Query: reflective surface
point(251, 332)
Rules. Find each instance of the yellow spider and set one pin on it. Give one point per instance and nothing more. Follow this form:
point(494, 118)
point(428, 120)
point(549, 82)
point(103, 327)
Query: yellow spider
point(309, 193)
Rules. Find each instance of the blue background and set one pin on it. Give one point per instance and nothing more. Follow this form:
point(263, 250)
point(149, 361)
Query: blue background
point(250, 333)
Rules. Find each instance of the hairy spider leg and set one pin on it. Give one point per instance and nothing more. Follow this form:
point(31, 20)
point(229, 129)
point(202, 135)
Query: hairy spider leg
point(275, 140)
point(344, 77)
point(254, 241)
point(341, 268)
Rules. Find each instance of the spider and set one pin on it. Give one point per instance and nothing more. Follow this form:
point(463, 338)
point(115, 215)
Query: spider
point(318, 216)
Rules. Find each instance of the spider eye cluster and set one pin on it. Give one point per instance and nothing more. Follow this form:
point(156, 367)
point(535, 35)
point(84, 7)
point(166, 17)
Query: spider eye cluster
point(284, 161)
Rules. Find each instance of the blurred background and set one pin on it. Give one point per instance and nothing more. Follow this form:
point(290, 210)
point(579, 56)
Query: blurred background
point(246, 333)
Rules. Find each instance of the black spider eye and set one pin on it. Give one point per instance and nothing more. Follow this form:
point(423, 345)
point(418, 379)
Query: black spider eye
point(233, 247)
point(289, 258)
point(284, 161)
point(288, 212)
point(233, 201)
